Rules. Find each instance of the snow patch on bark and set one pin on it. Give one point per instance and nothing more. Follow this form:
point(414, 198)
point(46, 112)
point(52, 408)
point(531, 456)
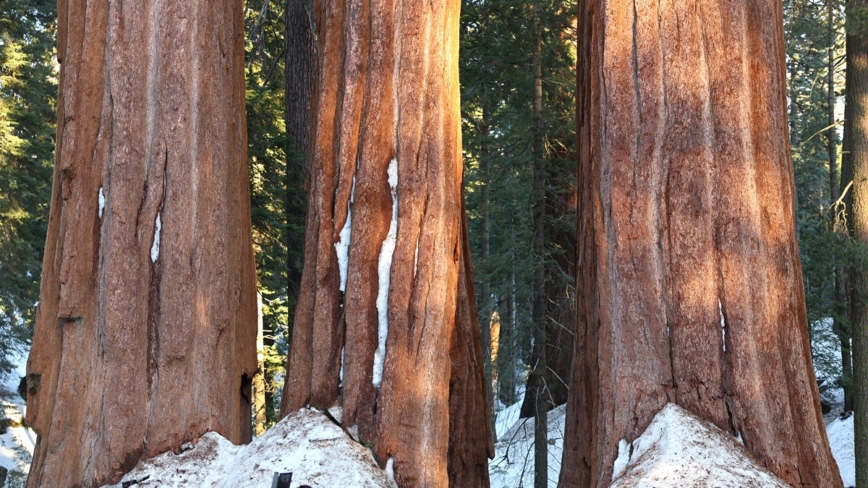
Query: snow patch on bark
point(722, 324)
point(384, 270)
point(342, 247)
point(341, 374)
point(101, 199)
point(306, 443)
point(390, 469)
point(679, 449)
point(623, 458)
point(155, 247)
point(416, 257)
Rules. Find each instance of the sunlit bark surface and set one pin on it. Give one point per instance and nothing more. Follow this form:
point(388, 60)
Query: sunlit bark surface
point(388, 96)
point(689, 283)
point(139, 348)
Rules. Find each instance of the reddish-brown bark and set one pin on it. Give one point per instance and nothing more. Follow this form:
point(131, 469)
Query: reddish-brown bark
point(133, 356)
point(387, 90)
point(686, 220)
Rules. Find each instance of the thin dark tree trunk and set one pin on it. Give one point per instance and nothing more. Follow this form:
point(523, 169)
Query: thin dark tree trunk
point(506, 357)
point(387, 299)
point(856, 171)
point(832, 134)
point(690, 286)
point(539, 373)
point(486, 301)
point(840, 324)
point(146, 332)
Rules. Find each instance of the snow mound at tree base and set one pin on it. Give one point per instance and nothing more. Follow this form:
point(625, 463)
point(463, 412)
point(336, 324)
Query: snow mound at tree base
point(679, 449)
point(306, 443)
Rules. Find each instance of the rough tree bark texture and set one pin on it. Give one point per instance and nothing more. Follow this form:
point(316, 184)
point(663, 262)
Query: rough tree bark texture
point(689, 282)
point(392, 336)
point(300, 72)
point(146, 331)
point(855, 169)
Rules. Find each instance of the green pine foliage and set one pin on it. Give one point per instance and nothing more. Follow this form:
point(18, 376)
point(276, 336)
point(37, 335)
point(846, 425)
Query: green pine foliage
point(28, 88)
point(823, 244)
point(496, 108)
point(268, 152)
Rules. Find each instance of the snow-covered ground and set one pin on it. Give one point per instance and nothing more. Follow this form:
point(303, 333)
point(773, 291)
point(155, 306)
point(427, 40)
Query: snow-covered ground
point(513, 464)
point(306, 449)
point(16, 443)
point(306, 443)
point(840, 432)
point(679, 449)
point(839, 424)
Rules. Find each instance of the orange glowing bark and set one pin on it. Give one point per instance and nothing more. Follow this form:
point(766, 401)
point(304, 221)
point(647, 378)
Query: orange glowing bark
point(386, 163)
point(689, 281)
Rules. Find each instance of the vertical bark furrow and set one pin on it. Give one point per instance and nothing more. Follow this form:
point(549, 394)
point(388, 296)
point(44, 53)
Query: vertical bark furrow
point(311, 371)
point(686, 232)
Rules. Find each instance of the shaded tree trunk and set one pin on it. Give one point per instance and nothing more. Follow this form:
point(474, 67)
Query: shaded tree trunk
point(839, 325)
point(538, 382)
point(855, 169)
point(146, 331)
point(300, 72)
point(488, 344)
point(386, 325)
point(689, 282)
point(506, 357)
point(560, 273)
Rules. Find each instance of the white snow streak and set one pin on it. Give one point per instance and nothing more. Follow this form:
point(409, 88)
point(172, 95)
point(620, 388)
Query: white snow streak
point(722, 324)
point(390, 469)
point(341, 376)
point(155, 247)
point(416, 256)
point(101, 201)
point(342, 247)
point(384, 269)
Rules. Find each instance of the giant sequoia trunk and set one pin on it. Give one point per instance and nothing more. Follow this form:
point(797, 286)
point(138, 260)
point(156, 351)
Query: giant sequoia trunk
point(146, 329)
point(689, 282)
point(386, 324)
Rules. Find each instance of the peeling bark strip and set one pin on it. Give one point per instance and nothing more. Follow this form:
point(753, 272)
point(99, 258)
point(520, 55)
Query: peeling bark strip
point(686, 215)
point(387, 99)
point(142, 346)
